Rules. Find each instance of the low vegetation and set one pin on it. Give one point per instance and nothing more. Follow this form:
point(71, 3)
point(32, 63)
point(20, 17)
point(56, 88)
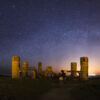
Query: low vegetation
point(34, 89)
point(23, 89)
point(87, 90)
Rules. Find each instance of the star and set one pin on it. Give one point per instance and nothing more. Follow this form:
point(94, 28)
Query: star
point(0, 13)
point(13, 6)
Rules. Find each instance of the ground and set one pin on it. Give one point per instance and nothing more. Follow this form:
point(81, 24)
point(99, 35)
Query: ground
point(58, 93)
point(49, 89)
point(74, 90)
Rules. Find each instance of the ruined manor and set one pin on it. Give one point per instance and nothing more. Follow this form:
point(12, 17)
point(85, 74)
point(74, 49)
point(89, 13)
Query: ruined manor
point(22, 71)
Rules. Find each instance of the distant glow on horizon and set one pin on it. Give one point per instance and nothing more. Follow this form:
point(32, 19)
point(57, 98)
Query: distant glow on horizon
point(92, 74)
point(93, 66)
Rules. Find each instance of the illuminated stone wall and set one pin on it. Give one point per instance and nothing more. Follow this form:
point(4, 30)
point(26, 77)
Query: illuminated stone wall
point(84, 68)
point(73, 69)
point(15, 66)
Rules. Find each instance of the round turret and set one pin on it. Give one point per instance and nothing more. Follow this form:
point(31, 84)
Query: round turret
point(73, 69)
point(84, 68)
point(15, 66)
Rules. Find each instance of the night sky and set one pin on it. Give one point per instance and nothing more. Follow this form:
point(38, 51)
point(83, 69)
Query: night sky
point(55, 32)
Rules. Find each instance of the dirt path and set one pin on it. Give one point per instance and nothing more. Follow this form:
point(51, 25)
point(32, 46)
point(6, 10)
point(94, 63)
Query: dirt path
point(60, 93)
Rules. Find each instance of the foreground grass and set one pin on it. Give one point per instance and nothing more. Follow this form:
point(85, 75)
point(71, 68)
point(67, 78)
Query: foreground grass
point(23, 89)
point(87, 90)
point(34, 89)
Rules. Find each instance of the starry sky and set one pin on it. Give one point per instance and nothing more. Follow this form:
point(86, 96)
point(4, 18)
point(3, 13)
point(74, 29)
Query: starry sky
point(55, 32)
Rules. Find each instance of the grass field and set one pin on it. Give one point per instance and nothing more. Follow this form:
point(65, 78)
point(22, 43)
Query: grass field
point(87, 90)
point(35, 89)
point(23, 89)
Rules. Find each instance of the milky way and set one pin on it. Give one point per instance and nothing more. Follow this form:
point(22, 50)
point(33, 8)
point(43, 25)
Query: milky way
point(55, 32)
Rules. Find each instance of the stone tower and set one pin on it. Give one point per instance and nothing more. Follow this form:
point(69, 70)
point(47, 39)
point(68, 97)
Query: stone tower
point(84, 68)
point(39, 67)
point(25, 67)
point(15, 66)
point(73, 69)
